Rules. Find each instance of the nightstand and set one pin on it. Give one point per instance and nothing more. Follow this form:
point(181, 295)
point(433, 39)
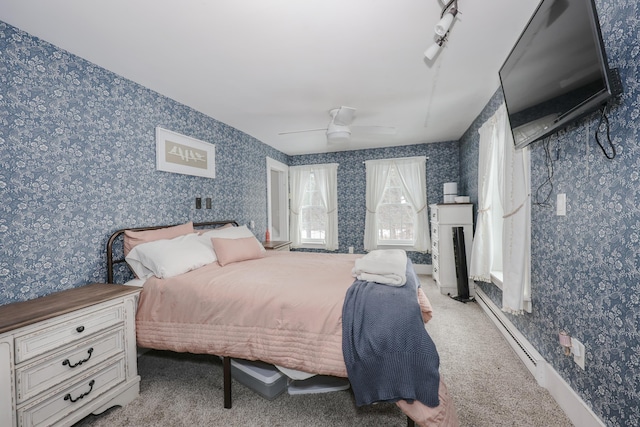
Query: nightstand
point(273, 245)
point(67, 355)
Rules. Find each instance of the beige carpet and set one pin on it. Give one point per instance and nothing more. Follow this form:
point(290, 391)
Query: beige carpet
point(489, 385)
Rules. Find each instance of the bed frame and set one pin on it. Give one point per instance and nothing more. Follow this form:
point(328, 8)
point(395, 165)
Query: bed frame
point(117, 240)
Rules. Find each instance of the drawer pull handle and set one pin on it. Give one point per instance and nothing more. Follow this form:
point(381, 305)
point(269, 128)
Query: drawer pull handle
point(68, 395)
point(66, 361)
point(80, 329)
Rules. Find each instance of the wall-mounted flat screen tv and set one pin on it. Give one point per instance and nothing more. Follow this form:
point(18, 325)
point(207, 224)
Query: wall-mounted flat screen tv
point(557, 71)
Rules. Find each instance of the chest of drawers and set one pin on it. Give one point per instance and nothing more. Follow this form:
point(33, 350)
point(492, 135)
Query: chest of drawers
point(444, 217)
point(67, 355)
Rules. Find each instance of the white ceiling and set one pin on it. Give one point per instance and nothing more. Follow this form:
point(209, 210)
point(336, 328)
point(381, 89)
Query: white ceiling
point(270, 66)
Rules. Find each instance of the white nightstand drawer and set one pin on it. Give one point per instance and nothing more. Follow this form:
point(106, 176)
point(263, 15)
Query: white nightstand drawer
point(57, 406)
point(61, 334)
point(45, 373)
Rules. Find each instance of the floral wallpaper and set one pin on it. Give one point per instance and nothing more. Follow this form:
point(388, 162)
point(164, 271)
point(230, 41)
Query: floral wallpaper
point(77, 162)
point(586, 265)
point(442, 167)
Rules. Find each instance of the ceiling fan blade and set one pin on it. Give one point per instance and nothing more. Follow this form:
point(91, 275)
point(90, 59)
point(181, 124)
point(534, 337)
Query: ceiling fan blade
point(343, 116)
point(374, 130)
point(301, 131)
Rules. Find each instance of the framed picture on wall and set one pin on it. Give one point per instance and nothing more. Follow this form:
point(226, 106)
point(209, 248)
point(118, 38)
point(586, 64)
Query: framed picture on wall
point(182, 154)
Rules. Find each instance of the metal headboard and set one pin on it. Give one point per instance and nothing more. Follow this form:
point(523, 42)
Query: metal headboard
point(117, 239)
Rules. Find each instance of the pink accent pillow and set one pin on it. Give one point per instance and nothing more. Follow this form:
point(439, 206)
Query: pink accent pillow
point(135, 238)
point(234, 250)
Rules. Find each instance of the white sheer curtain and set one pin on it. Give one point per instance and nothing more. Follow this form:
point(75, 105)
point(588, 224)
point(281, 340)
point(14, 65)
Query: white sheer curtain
point(327, 182)
point(377, 174)
point(516, 231)
point(482, 248)
point(412, 172)
point(326, 178)
point(497, 152)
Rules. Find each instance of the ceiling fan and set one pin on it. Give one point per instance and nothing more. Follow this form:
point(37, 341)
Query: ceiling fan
point(339, 128)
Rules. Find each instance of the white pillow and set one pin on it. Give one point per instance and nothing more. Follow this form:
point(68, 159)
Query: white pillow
point(228, 233)
point(169, 257)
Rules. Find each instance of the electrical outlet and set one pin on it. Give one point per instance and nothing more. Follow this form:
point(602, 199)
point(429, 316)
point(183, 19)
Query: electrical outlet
point(252, 224)
point(350, 249)
point(208, 202)
point(198, 202)
point(577, 348)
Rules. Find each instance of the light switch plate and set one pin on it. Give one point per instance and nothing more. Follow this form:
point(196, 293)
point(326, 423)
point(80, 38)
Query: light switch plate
point(561, 204)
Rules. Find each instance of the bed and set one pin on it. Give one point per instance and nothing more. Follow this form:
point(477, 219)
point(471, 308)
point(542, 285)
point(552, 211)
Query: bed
point(283, 308)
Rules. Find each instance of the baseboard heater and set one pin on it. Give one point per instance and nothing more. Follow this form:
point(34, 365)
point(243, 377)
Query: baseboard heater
point(571, 403)
point(523, 348)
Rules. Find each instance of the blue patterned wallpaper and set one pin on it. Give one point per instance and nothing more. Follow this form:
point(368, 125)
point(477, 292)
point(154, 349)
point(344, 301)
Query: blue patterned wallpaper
point(77, 156)
point(78, 162)
point(586, 265)
point(442, 167)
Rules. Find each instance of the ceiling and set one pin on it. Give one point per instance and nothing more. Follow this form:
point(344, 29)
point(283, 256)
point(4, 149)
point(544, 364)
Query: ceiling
point(266, 67)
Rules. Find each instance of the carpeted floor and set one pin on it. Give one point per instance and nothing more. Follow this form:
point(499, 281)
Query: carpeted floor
point(489, 385)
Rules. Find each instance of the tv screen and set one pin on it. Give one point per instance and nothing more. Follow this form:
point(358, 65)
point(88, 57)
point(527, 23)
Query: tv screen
point(556, 72)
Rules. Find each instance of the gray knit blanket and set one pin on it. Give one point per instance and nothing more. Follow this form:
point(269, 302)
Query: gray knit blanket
point(388, 353)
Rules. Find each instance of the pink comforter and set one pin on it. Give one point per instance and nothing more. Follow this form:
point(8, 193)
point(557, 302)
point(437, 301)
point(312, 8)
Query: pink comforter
point(284, 309)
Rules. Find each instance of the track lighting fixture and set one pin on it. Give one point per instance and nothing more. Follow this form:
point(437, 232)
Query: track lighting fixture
point(449, 12)
point(433, 50)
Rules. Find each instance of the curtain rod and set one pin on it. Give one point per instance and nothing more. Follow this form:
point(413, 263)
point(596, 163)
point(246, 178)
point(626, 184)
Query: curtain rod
point(397, 158)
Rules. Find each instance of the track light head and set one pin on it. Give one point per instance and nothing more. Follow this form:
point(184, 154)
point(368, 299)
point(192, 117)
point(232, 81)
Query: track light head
point(445, 22)
point(433, 50)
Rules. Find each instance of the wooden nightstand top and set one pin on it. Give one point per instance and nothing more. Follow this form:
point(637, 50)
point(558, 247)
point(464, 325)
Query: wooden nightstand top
point(19, 314)
point(275, 244)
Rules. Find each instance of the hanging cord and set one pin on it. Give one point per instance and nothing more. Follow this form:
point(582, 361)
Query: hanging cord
point(604, 119)
point(548, 161)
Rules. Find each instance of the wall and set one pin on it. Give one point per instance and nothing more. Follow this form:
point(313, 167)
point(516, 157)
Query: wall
point(442, 167)
point(78, 162)
point(585, 265)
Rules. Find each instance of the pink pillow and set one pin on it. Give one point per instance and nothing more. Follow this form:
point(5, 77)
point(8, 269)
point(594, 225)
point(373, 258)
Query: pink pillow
point(205, 230)
point(234, 250)
point(135, 238)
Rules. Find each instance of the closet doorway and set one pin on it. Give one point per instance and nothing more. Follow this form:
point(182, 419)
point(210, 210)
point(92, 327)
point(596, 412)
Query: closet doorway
point(277, 200)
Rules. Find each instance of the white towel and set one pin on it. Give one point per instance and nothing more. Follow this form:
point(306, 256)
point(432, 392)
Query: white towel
point(385, 266)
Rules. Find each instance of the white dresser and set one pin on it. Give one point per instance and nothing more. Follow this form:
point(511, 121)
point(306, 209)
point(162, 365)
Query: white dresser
point(444, 217)
point(67, 355)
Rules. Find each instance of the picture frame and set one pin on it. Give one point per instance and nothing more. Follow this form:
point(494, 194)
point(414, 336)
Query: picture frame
point(182, 154)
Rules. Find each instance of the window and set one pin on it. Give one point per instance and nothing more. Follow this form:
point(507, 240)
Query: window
point(495, 216)
point(396, 204)
point(314, 206)
point(313, 214)
point(396, 216)
point(501, 250)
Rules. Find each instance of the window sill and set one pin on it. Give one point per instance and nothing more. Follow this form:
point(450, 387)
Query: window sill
point(405, 247)
point(312, 246)
point(496, 278)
